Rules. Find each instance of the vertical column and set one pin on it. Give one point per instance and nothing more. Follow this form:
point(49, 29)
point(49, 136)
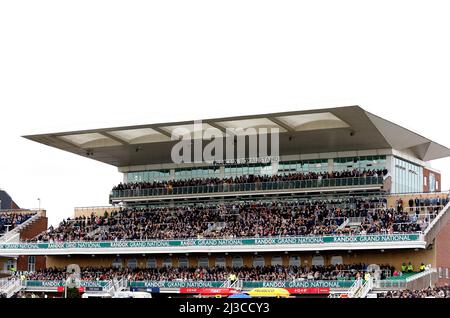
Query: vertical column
point(222, 172)
point(390, 165)
point(330, 165)
point(275, 165)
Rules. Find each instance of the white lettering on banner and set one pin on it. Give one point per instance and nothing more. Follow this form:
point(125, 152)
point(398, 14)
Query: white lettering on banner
point(345, 239)
point(119, 244)
point(331, 284)
point(301, 284)
point(187, 243)
point(261, 241)
point(264, 241)
point(158, 284)
point(199, 284)
point(89, 245)
point(148, 243)
point(50, 283)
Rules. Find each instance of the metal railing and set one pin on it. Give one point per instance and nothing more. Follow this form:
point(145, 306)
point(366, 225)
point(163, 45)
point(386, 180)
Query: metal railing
point(6, 272)
point(364, 289)
point(120, 285)
point(237, 284)
point(16, 230)
point(355, 288)
point(404, 283)
point(10, 287)
point(245, 187)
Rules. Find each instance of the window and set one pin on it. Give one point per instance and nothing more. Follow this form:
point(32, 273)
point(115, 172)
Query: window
point(203, 261)
point(276, 260)
point(31, 263)
point(220, 261)
point(318, 260)
point(132, 263)
point(117, 263)
point(432, 182)
point(183, 262)
point(10, 264)
point(197, 173)
point(151, 263)
point(142, 176)
point(294, 260)
point(360, 163)
point(237, 261)
point(167, 262)
point(258, 261)
point(407, 177)
point(336, 260)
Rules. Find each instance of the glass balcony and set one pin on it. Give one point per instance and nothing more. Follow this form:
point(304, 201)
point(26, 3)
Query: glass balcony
point(248, 187)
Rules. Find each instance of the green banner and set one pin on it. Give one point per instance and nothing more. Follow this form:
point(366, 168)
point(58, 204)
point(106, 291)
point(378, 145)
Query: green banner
point(304, 240)
point(202, 284)
point(301, 284)
point(57, 283)
point(175, 284)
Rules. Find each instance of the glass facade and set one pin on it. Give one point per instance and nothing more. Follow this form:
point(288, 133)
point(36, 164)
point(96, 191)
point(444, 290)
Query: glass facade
point(31, 263)
point(285, 167)
point(148, 176)
point(197, 173)
point(432, 182)
point(360, 163)
point(407, 177)
point(305, 166)
point(246, 169)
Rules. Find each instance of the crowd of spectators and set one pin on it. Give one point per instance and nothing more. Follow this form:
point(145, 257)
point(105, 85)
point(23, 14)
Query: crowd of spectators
point(261, 273)
point(9, 220)
point(431, 205)
point(170, 184)
point(233, 220)
point(430, 292)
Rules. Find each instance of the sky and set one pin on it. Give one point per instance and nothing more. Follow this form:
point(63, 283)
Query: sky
point(69, 65)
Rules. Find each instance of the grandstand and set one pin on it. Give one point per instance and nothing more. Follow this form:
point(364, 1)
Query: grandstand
point(16, 224)
point(341, 203)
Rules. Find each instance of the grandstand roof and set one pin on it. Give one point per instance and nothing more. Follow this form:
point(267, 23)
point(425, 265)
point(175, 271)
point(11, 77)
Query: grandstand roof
point(301, 132)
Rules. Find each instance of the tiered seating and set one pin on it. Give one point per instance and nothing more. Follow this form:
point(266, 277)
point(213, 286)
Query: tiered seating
point(250, 183)
point(10, 220)
point(245, 219)
point(431, 292)
point(266, 273)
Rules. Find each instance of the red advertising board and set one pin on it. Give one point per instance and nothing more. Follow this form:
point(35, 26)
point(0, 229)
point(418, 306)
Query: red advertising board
point(208, 291)
point(319, 290)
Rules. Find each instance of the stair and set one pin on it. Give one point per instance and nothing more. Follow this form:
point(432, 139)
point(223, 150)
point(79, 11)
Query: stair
point(101, 229)
point(238, 284)
point(344, 224)
point(116, 286)
point(14, 234)
point(437, 224)
point(355, 221)
point(216, 226)
point(10, 287)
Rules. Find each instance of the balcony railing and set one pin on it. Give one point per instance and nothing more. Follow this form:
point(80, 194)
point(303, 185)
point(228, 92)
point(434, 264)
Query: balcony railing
point(245, 187)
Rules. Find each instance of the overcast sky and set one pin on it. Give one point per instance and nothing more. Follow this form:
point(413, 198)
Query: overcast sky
point(88, 64)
